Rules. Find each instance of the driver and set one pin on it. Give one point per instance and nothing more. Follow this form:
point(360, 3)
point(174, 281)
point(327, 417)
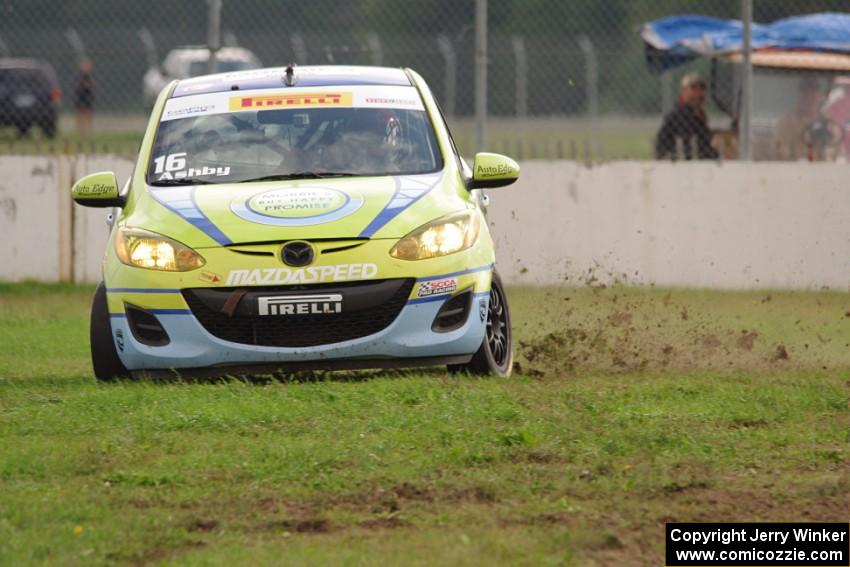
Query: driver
point(365, 143)
point(789, 140)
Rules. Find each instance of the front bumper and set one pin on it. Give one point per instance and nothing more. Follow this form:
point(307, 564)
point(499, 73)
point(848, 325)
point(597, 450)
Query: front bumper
point(409, 336)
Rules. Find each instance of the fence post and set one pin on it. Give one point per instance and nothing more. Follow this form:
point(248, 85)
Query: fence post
point(150, 47)
point(744, 126)
point(666, 92)
point(521, 63)
point(214, 34)
point(376, 50)
point(444, 44)
point(64, 173)
point(76, 43)
point(299, 48)
point(480, 73)
point(592, 88)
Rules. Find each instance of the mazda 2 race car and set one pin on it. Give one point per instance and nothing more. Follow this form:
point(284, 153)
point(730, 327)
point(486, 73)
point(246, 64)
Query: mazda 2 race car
point(309, 217)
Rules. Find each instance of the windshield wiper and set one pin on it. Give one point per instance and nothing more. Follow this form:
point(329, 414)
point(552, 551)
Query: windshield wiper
point(301, 175)
point(181, 181)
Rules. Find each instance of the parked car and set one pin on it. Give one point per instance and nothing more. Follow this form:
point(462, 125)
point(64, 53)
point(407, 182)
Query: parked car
point(283, 219)
point(186, 62)
point(29, 95)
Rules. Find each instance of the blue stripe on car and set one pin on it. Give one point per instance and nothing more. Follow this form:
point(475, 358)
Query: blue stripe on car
point(412, 301)
point(140, 290)
point(408, 190)
point(181, 200)
point(158, 312)
point(453, 274)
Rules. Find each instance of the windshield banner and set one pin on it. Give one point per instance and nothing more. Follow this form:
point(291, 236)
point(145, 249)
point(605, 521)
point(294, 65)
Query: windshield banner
point(370, 96)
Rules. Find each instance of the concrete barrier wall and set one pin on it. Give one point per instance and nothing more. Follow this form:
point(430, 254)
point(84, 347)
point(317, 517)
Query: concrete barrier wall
point(731, 225)
point(44, 237)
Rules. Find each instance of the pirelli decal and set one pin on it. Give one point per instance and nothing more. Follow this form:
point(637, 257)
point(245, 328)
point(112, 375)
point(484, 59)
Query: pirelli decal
point(290, 100)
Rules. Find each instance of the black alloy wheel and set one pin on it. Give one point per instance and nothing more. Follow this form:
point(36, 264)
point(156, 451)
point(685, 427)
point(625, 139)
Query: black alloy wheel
point(495, 356)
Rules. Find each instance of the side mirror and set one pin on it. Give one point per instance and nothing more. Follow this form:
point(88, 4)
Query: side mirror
point(97, 190)
point(493, 170)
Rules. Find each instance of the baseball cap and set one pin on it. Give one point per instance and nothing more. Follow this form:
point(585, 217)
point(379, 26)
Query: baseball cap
point(693, 80)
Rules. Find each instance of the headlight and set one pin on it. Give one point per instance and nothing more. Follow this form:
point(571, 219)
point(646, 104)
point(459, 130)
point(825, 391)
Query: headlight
point(446, 235)
point(145, 249)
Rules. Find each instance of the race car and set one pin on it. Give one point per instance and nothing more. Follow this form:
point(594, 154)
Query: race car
point(299, 218)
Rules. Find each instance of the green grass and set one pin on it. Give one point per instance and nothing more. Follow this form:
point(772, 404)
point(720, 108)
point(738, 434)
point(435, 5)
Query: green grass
point(124, 143)
point(580, 459)
point(535, 138)
point(562, 138)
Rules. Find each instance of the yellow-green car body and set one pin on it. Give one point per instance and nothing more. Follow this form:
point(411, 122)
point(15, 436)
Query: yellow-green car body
point(296, 218)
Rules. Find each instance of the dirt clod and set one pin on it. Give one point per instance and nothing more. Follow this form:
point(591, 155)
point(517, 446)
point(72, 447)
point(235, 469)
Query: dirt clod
point(747, 340)
point(200, 525)
point(781, 353)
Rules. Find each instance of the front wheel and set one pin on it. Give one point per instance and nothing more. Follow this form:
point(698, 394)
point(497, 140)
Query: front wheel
point(104, 356)
point(495, 356)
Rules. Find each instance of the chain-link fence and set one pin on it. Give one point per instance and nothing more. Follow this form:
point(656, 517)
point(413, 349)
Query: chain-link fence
point(566, 78)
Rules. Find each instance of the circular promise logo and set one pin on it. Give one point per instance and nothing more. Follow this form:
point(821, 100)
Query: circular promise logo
point(297, 203)
point(297, 206)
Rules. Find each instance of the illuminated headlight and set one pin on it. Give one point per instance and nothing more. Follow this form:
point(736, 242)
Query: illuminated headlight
point(145, 249)
point(446, 235)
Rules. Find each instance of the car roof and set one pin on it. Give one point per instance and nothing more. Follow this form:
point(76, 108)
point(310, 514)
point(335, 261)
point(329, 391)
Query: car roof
point(21, 63)
point(306, 76)
point(203, 53)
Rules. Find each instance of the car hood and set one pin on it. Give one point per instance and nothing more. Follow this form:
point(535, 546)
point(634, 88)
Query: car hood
point(337, 208)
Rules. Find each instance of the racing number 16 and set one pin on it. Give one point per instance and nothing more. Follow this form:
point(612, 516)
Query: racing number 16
point(171, 162)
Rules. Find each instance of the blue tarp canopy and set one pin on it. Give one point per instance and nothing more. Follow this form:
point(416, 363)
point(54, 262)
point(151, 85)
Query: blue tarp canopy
point(676, 40)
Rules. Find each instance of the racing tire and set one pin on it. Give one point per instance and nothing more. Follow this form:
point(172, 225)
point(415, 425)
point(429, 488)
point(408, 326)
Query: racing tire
point(107, 366)
point(495, 357)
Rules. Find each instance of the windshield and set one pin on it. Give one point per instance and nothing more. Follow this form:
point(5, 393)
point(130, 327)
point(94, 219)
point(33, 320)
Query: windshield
point(299, 133)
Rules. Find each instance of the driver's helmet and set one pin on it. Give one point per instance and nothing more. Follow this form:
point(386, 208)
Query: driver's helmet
point(382, 124)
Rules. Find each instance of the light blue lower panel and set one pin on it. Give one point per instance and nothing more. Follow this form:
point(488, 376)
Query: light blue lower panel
point(409, 336)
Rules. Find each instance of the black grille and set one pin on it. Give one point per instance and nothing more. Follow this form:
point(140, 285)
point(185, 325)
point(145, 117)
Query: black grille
point(453, 313)
point(368, 307)
point(145, 327)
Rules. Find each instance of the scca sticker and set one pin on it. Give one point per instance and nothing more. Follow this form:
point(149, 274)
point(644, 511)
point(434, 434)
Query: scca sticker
point(299, 206)
point(313, 274)
point(437, 287)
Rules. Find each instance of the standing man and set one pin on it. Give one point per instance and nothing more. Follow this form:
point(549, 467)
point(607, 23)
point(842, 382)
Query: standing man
point(84, 97)
point(686, 122)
